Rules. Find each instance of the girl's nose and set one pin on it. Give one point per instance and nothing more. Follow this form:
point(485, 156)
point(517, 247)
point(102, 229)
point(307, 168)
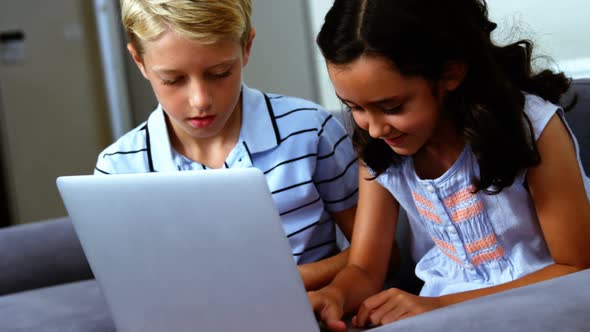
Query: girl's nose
point(378, 128)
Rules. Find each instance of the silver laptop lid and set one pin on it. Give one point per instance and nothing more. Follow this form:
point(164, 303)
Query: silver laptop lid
point(188, 251)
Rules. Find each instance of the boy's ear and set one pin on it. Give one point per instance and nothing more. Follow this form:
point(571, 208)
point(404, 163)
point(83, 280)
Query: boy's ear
point(453, 75)
point(248, 47)
point(137, 59)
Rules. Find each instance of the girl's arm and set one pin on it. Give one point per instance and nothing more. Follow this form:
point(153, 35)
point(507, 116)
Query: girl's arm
point(563, 209)
point(318, 274)
point(372, 240)
point(562, 206)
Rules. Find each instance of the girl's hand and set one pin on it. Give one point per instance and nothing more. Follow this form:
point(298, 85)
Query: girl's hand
point(392, 305)
point(328, 307)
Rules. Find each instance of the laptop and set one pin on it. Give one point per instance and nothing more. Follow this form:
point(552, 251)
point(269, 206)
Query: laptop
point(188, 251)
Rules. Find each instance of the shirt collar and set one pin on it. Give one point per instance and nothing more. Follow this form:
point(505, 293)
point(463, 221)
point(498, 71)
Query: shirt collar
point(259, 129)
point(159, 142)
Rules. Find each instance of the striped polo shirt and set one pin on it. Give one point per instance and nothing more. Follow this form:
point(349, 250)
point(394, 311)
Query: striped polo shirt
point(304, 152)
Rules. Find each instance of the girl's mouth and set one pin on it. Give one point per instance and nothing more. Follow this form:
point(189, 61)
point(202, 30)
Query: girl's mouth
point(395, 141)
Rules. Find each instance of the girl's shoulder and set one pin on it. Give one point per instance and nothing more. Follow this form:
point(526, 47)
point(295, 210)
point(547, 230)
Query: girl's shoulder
point(396, 176)
point(539, 111)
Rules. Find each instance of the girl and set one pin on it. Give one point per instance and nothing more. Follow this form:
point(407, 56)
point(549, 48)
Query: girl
point(193, 53)
point(462, 135)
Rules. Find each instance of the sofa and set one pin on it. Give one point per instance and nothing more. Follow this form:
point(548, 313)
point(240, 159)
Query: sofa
point(47, 285)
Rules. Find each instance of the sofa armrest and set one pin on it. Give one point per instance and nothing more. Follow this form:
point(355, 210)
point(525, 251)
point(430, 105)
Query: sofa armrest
point(40, 254)
point(559, 304)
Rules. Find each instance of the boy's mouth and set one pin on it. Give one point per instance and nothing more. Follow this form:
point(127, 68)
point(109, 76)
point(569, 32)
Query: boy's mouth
point(202, 121)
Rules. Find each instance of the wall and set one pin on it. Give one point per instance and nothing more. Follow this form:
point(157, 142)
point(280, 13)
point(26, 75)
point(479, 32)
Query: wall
point(317, 10)
point(282, 54)
point(53, 119)
point(559, 29)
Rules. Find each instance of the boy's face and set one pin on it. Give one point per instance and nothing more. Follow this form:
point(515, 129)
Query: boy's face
point(198, 85)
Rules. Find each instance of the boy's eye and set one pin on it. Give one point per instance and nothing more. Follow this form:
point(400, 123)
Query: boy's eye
point(170, 81)
point(220, 75)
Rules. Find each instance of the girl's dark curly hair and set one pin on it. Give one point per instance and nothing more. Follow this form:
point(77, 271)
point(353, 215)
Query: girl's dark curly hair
point(420, 37)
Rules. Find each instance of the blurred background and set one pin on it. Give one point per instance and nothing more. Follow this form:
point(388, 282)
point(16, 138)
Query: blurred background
point(68, 87)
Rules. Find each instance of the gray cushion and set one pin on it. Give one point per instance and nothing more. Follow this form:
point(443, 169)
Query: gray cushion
point(40, 254)
point(561, 304)
point(73, 307)
point(579, 118)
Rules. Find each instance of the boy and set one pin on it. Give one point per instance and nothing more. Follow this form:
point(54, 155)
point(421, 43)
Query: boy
point(193, 53)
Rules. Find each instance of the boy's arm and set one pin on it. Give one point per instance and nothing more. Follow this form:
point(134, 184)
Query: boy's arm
point(337, 175)
point(103, 166)
point(318, 274)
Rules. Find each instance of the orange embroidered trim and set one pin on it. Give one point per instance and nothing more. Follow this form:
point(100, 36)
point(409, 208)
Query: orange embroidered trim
point(418, 198)
point(452, 257)
point(459, 197)
point(444, 245)
point(467, 212)
point(484, 243)
point(429, 215)
point(488, 256)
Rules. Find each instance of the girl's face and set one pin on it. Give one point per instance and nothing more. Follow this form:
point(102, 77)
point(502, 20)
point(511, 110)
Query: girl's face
point(198, 85)
point(403, 112)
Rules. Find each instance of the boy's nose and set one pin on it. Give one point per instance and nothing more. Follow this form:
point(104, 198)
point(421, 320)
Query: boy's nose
point(200, 97)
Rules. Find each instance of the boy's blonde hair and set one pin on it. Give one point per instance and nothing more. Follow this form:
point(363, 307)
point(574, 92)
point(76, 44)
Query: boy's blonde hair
point(208, 21)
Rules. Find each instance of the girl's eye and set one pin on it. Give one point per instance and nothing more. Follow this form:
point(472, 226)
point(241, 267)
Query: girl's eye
point(353, 108)
point(393, 110)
